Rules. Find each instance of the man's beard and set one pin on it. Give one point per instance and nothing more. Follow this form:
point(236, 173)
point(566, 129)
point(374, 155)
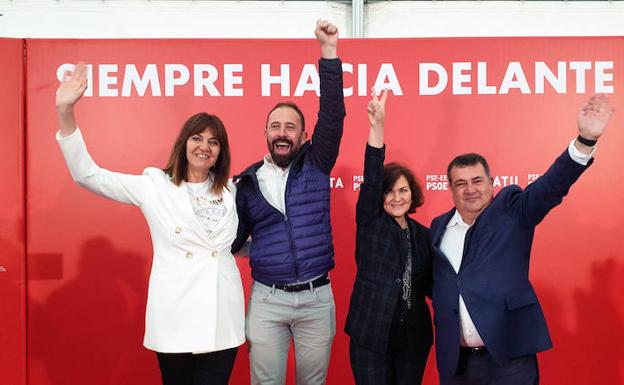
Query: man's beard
point(282, 160)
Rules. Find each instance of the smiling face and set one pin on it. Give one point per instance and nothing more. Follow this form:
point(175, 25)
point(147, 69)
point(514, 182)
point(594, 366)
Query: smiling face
point(202, 152)
point(472, 190)
point(398, 199)
point(284, 135)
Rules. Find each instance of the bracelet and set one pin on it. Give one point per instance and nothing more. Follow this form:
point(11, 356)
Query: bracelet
point(587, 142)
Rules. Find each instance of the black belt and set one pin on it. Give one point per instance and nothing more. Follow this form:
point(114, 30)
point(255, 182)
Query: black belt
point(320, 281)
point(473, 350)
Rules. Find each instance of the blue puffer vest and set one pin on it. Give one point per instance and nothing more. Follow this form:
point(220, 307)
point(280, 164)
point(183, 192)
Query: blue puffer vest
point(296, 246)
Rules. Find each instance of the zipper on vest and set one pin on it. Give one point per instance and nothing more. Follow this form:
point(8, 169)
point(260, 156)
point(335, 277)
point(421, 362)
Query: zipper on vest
point(289, 229)
point(292, 246)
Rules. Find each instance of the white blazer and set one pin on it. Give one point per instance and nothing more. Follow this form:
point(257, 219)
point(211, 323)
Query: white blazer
point(195, 300)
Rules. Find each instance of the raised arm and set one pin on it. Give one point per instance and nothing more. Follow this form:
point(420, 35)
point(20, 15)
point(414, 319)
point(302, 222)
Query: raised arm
point(123, 188)
point(369, 204)
point(329, 126)
point(532, 204)
point(72, 88)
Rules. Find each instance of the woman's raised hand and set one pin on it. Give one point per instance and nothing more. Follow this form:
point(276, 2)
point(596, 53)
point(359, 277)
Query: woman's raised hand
point(72, 86)
point(376, 117)
point(376, 108)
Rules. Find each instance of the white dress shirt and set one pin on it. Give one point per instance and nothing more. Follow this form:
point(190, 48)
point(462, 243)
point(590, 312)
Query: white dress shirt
point(452, 245)
point(272, 182)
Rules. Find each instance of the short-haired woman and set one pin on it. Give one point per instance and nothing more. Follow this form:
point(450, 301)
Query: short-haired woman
point(195, 307)
point(389, 321)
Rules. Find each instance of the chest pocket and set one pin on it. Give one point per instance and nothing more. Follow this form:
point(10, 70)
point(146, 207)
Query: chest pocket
point(521, 299)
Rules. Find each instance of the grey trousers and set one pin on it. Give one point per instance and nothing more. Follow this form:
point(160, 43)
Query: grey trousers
point(274, 317)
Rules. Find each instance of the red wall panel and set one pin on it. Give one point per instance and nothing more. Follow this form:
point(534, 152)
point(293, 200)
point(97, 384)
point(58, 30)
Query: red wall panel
point(12, 243)
point(89, 258)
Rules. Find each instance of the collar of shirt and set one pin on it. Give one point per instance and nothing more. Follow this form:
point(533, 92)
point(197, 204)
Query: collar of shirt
point(272, 183)
point(271, 169)
point(201, 188)
point(457, 220)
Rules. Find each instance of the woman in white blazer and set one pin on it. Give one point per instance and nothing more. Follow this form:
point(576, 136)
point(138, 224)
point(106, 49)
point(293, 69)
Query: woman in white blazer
point(195, 307)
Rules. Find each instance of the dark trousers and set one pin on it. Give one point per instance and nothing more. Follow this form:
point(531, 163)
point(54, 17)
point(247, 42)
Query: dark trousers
point(481, 369)
point(197, 369)
point(395, 367)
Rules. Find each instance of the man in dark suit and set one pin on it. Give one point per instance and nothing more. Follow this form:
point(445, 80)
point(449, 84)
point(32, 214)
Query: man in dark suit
point(489, 324)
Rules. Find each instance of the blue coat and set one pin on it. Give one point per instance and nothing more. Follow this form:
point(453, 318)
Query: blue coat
point(493, 276)
point(296, 246)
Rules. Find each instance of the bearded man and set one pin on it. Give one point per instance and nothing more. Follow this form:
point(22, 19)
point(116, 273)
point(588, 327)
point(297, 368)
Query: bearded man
point(283, 204)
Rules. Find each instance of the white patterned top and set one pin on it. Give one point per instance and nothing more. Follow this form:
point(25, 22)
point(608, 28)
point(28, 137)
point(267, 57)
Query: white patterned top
point(207, 206)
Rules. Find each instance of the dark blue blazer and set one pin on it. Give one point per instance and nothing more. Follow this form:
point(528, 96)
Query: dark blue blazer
point(493, 275)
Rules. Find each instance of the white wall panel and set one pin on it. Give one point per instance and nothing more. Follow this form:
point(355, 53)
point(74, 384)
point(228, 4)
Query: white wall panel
point(494, 18)
point(293, 19)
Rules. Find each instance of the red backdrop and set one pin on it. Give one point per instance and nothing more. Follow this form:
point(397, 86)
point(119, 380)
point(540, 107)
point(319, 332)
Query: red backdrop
point(12, 242)
point(88, 258)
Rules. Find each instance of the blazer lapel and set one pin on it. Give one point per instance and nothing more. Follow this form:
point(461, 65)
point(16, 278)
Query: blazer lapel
point(420, 249)
point(481, 230)
point(437, 232)
point(440, 228)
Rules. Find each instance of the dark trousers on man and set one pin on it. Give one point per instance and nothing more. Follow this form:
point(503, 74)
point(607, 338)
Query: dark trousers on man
point(395, 367)
point(197, 369)
point(477, 367)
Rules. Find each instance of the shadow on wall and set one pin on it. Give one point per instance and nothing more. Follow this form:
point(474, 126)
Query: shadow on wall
point(596, 341)
point(65, 349)
point(63, 342)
